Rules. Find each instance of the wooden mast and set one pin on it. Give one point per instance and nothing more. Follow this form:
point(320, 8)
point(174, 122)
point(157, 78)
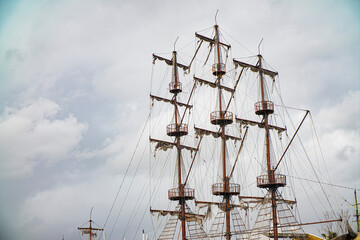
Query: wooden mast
point(90, 230)
point(180, 185)
point(176, 129)
point(270, 172)
point(223, 139)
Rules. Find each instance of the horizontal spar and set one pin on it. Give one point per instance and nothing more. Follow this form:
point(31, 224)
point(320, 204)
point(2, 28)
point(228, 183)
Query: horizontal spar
point(260, 199)
point(188, 216)
point(213, 85)
point(219, 204)
point(157, 98)
point(210, 40)
point(169, 62)
point(256, 68)
point(164, 145)
point(260, 124)
point(201, 132)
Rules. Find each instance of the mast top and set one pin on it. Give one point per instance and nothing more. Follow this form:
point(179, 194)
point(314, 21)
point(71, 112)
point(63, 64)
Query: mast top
point(91, 212)
point(215, 17)
point(259, 55)
point(175, 44)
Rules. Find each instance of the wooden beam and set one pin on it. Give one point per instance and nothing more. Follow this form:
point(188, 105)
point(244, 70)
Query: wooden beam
point(213, 85)
point(172, 144)
point(210, 40)
point(157, 98)
point(260, 124)
point(170, 62)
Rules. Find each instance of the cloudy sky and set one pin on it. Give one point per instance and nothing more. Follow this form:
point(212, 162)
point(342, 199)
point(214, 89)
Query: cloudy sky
point(74, 83)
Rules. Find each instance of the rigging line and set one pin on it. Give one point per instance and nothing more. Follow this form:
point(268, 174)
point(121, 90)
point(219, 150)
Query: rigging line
point(291, 139)
point(126, 172)
point(141, 193)
point(150, 154)
point(330, 184)
point(165, 77)
point(127, 194)
point(207, 29)
point(163, 53)
point(137, 207)
point(152, 77)
point(293, 108)
point(307, 195)
point(158, 185)
point(182, 60)
point(197, 150)
point(334, 191)
point(238, 42)
point(321, 152)
point(307, 157)
point(316, 175)
point(237, 156)
point(248, 185)
point(196, 51)
point(289, 167)
point(186, 45)
point(268, 65)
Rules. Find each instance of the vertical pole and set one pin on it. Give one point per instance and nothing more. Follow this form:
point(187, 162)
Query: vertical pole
point(267, 133)
point(274, 212)
point(180, 185)
point(357, 212)
point(217, 45)
point(271, 173)
point(90, 233)
point(223, 139)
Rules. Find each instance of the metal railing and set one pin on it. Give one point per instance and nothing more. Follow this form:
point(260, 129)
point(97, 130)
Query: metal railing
point(177, 129)
point(222, 116)
point(275, 179)
point(264, 106)
point(218, 68)
point(175, 193)
point(175, 87)
point(220, 188)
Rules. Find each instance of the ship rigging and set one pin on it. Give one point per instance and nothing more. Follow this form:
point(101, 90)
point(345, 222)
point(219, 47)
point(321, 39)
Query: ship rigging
point(223, 107)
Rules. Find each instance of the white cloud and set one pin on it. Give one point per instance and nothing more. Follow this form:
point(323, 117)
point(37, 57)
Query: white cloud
point(344, 115)
point(51, 212)
point(31, 135)
point(45, 211)
point(340, 136)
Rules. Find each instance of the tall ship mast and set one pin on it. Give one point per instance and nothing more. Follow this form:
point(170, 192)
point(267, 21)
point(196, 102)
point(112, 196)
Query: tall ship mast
point(194, 213)
point(180, 193)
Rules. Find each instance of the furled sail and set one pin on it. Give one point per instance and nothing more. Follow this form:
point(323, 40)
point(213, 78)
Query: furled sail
point(213, 85)
point(169, 62)
point(256, 69)
point(259, 124)
point(165, 145)
point(199, 132)
point(157, 98)
point(211, 41)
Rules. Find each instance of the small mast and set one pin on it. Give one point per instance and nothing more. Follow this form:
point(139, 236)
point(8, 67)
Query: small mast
point(91, 231)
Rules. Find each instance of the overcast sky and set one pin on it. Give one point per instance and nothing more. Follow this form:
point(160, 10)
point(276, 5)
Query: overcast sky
point(75, 78)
